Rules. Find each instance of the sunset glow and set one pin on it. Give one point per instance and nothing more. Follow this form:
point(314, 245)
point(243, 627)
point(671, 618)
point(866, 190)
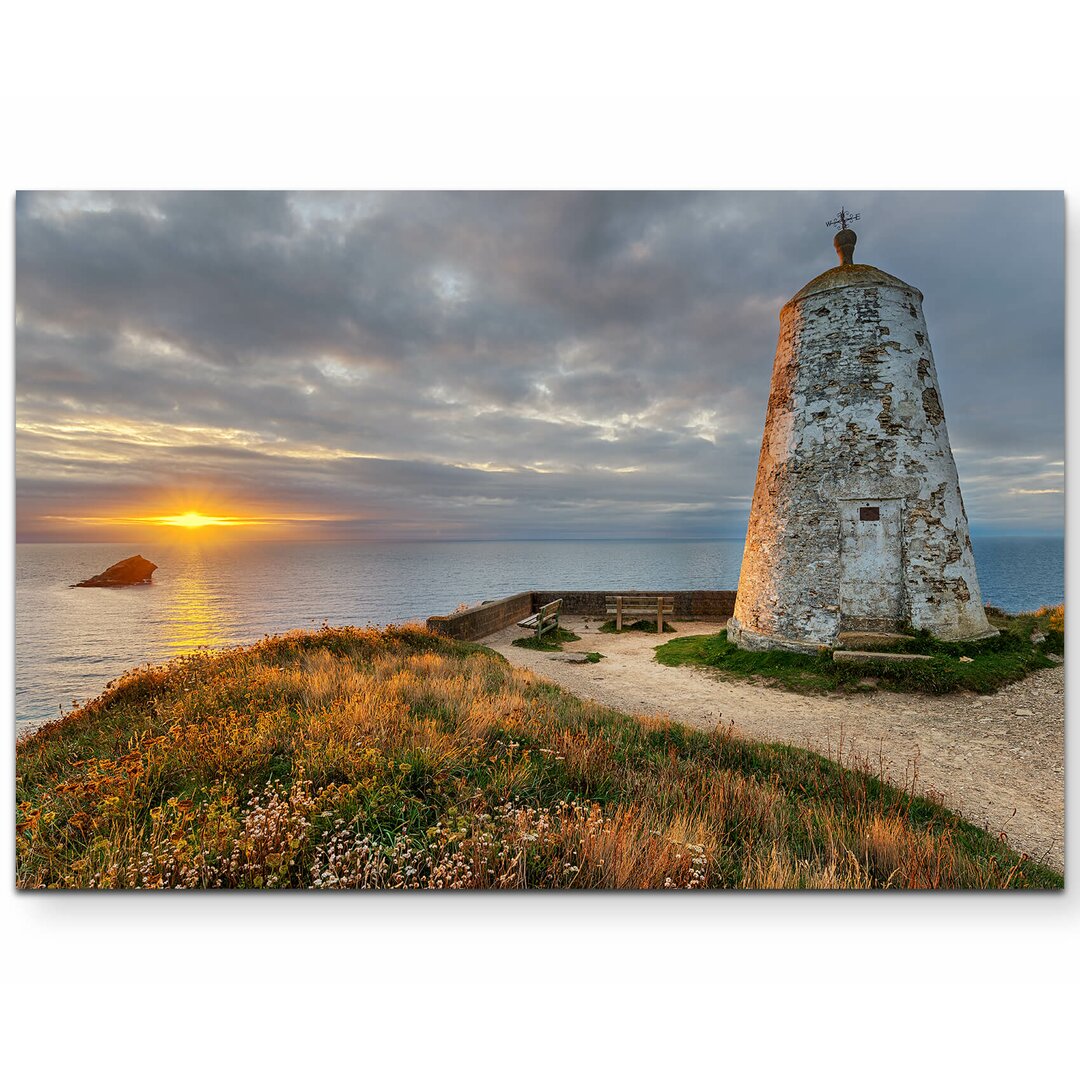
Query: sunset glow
point(192, 519)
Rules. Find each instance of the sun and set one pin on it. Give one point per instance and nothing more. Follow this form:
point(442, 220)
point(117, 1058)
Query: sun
point(192, 519)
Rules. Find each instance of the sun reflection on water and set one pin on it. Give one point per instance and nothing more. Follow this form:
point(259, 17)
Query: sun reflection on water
point(193, 616)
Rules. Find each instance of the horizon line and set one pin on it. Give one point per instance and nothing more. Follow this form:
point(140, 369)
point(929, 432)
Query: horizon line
point(979, 534)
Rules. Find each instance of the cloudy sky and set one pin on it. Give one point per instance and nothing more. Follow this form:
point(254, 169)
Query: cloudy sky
point(466, 365)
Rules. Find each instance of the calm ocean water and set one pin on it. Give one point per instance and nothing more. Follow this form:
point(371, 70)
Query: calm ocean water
point(71, 642)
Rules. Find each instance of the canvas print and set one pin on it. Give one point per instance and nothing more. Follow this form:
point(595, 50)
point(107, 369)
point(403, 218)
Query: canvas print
point(540, 540)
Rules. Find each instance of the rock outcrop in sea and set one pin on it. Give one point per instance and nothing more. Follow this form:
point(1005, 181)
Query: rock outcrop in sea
point(132, 571)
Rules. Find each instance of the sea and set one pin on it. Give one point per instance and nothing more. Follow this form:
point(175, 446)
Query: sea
point(207, 594)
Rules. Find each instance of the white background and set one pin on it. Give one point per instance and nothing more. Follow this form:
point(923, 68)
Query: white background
point(559, 95)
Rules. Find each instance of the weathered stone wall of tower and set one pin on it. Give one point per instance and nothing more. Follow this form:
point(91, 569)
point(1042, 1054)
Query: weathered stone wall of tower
point(857, 519)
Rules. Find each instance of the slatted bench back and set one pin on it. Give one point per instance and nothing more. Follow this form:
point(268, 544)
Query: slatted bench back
point(544, 619)
point(548, 617)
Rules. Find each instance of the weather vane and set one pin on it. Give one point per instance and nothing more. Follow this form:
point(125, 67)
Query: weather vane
point(842, 219)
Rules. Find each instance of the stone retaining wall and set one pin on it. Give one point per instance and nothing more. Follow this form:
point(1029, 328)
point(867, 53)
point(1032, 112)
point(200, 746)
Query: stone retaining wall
point(689, 603)
point(483, 619)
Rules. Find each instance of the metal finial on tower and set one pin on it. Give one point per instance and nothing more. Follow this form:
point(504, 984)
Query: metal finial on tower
point(844, 240)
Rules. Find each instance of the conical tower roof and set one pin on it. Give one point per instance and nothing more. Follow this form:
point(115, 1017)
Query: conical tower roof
point(849, 274)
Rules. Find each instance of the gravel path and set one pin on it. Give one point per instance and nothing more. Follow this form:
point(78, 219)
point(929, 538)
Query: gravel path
point(998, 759)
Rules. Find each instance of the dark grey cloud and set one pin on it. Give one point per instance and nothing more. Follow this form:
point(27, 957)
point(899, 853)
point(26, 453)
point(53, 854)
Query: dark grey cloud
point(507, 364)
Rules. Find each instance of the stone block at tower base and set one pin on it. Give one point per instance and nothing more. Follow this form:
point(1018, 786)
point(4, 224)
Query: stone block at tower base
point(858, 656)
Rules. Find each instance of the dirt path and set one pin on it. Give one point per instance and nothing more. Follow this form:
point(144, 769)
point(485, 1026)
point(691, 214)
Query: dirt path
point(999, 759)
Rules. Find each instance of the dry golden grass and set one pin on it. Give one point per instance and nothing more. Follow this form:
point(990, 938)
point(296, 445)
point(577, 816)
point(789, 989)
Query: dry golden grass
point(357, 758)
point(1054, 616)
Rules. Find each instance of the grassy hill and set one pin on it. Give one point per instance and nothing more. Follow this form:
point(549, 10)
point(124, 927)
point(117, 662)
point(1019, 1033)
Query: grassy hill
point(399, 759)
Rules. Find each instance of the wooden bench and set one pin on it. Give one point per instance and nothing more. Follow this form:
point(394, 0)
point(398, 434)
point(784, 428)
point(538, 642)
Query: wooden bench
point(640, 607)
point(544, 619)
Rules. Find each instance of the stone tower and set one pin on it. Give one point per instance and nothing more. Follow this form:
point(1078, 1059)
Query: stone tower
point(857, 522)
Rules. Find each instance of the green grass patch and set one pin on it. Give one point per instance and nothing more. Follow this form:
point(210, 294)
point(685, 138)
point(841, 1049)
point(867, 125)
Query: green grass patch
point(552, 641)
point(594, 657)
point(980, 666)
point(355, 758)
point(645, 625)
